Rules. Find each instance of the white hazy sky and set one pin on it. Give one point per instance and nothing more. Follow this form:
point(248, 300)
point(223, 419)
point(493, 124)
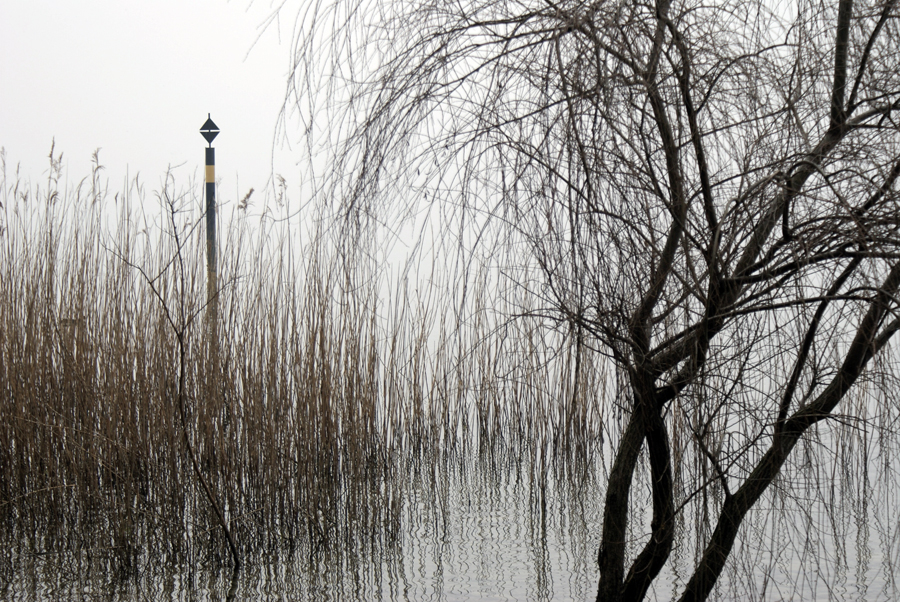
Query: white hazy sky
point(136, 78)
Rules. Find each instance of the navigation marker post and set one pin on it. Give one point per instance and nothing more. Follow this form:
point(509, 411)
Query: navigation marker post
point(210, 130)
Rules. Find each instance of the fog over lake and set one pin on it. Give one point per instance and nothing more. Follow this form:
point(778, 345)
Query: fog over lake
point(535, 300)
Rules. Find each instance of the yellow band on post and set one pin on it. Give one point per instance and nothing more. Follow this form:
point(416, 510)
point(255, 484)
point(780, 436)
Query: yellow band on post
point(210, 173)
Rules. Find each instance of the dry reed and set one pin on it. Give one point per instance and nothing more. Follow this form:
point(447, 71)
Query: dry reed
point(334, 384)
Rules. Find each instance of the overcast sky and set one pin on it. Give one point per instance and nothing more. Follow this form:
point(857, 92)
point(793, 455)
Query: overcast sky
point(136, 78)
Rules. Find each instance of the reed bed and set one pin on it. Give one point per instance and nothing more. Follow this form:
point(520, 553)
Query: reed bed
point(352, 401)
point(333, 386)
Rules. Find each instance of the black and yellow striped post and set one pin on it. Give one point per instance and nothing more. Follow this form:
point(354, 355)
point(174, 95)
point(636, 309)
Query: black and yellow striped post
point(210, 131)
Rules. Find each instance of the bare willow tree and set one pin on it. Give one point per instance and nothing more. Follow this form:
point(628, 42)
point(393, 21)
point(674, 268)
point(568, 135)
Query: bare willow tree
point(703, 193)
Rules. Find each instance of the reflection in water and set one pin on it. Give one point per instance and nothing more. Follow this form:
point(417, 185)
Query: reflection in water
point(490, 526)
point(482, 528)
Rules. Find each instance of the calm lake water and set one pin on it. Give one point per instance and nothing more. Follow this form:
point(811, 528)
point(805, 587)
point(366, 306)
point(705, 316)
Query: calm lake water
point(493, 532)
